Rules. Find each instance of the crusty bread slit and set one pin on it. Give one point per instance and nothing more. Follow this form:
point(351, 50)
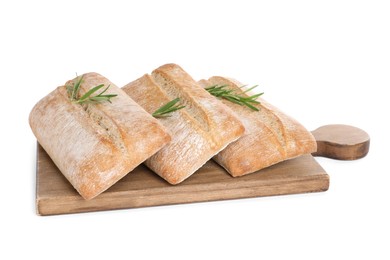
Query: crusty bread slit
point(102, 120)
point(173, 90)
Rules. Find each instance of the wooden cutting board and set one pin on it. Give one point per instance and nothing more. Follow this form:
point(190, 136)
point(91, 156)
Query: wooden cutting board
point(143, 188)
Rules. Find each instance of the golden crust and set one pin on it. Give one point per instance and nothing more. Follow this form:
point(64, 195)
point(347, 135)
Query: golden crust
point(270, 137)
point(199, 131)
point(93, 145)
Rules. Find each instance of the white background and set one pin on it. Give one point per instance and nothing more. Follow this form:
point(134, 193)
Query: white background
point(322, 62)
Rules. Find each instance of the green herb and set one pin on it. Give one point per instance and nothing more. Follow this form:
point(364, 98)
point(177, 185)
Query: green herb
point(222, 91)
point(88, 97)
point(165, 110)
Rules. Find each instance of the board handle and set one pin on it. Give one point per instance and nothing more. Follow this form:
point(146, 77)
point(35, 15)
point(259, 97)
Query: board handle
point(342, 142)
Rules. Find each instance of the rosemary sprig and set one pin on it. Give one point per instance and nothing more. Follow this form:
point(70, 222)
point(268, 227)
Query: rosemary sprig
point(222, 91)
point(165, 110)
point(73, 93)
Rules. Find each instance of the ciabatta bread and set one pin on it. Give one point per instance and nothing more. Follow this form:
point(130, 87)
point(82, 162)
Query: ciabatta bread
point(270, 135)
point(199, 131)
point(96, 144)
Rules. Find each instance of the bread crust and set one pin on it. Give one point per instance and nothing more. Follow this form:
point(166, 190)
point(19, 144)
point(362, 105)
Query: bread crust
point(270, 136)
point(95, 145)
point(199, 131)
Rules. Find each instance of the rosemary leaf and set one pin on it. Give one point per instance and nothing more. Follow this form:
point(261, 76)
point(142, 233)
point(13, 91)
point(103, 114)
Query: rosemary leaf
point(234, 100)
point(211, 87)
point(100, 99)
point(165, 110)
point(89, 93)
point(250, 106)
point(222, 91)
point(76, 88)
point(104, 90)
point(249, 89)
point(73, 93)
point(253, 97)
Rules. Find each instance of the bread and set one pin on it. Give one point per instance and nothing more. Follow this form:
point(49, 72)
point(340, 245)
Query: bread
point(270, 135)
point(199, 131)
point(96, 144)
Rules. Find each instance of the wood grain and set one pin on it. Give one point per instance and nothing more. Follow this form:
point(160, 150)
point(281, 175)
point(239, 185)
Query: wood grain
point(342, 142)
point(143, 188)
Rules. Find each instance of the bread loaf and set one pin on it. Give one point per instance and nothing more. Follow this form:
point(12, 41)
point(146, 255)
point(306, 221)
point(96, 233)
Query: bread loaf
point(270, 135)
point(199, 131)
point(95, 144)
